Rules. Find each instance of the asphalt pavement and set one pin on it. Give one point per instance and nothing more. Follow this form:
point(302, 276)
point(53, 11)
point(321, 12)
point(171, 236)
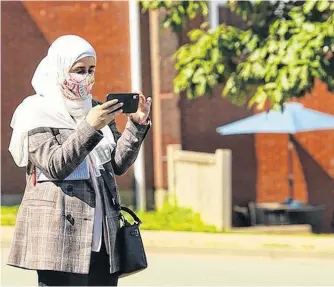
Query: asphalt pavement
point(191, 269)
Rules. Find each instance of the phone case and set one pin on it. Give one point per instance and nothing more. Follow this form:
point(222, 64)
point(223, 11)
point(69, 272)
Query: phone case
point(130, 101)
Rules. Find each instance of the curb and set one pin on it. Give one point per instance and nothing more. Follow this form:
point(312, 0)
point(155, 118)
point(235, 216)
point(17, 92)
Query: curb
point(231, 244)
point(242, 252)
point(241, 244)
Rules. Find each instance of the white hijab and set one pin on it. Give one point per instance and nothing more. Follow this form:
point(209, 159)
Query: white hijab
point(49, 108)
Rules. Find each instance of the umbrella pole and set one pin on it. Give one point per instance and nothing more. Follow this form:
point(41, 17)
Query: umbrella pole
point(290, 164)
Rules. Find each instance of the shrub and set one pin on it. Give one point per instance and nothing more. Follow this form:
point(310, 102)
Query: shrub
point(174, 218)
point(170, 217)
point(8, 214)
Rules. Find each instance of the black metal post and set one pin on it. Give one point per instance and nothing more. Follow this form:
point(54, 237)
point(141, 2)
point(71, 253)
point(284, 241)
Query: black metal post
point(290, 166)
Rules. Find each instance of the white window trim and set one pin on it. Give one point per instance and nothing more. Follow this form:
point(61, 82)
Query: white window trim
point(214, 12)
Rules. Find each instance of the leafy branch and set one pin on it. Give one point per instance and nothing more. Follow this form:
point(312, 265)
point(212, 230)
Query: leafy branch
point(177, 12)
point(284, 47)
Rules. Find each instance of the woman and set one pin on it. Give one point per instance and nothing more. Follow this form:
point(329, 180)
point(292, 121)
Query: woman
point(68, 220)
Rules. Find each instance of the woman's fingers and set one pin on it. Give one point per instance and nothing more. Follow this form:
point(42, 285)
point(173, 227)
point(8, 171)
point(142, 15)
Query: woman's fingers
point(114, 108)
point(149, 101)
point(142, 99)
point(111, 116)
point(109, 104)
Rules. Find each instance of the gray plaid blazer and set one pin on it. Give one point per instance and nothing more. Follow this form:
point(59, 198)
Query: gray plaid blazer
point(54, 225)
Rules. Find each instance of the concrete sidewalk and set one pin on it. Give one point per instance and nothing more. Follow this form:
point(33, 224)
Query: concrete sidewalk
point(237, 244)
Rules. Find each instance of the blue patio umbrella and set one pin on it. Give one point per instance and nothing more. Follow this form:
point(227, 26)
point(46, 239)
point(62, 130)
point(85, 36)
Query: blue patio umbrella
point(294, 118)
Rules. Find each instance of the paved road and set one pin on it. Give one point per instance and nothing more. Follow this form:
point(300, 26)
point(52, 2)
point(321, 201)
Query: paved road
point(208, 269)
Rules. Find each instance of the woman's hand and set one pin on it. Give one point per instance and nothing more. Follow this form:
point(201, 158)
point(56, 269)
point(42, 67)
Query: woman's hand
point(142, 114)
point(101, 115)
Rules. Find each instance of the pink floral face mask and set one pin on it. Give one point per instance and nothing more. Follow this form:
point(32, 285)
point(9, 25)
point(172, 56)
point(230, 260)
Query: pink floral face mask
point(77, 86)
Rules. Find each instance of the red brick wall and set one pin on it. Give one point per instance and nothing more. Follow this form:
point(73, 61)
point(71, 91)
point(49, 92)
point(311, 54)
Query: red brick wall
point(170, 128)
point(27, 30)
point(200, 118)
point(22, 45)
point(313, 161)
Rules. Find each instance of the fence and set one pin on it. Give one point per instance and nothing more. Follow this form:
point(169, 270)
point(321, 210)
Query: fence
point(202, 182)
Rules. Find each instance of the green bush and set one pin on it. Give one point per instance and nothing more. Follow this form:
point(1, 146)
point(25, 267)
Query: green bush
point(8, 215)
point(174, 218)
point(170, 217)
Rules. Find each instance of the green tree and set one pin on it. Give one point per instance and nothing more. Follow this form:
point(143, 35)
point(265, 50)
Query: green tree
point(284, 47)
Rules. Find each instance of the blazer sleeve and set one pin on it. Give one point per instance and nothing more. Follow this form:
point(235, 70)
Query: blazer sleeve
point(58, 161)
point(127, 145)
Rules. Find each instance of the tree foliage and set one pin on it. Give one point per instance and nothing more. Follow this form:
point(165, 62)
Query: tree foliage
point(177, 12)
point(284, 47)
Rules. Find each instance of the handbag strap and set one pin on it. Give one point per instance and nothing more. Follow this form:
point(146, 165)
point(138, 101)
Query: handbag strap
point(133, 215)
point(116, 203)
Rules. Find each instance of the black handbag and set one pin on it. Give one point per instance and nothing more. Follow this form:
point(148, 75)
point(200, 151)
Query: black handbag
point(132, 253)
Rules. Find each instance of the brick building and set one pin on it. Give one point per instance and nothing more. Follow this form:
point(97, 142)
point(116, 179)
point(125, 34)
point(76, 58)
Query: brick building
point(260, 162)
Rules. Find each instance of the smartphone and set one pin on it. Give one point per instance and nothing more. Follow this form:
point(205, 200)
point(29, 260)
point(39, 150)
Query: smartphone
point(130, 101)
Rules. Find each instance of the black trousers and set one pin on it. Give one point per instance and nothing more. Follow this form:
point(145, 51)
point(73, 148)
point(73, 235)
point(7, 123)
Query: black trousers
point(98, 274)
